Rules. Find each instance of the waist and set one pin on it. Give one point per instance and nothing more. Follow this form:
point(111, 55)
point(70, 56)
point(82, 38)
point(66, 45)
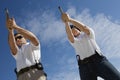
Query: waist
point(84, 54)
point(26, 69)
point(93, 58)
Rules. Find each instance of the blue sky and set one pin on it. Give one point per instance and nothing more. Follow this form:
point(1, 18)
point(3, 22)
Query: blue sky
point(42, 17)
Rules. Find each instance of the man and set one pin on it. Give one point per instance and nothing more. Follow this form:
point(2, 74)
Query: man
point(90, 59)
point(26, 54)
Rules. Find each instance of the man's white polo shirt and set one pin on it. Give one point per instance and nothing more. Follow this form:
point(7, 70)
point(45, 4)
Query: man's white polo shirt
point(27, 55)
point(85, 45)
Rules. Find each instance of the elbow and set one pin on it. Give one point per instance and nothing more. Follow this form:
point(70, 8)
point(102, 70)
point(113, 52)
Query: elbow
point(71, 40)
point(14, 52)
point(35, 42)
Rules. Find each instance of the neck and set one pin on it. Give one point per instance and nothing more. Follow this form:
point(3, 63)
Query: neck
point(20, 45)
point(77, 35)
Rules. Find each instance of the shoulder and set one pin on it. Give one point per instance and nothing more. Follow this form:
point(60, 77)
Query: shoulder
point(76, 41)
point(92, 34)
point(17, 54)
point(34, 46)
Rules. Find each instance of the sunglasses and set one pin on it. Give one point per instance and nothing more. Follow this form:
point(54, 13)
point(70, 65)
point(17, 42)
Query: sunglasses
point(18, 37)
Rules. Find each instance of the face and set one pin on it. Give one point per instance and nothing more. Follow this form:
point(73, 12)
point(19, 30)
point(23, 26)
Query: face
point(75, 32)
point(20, 40)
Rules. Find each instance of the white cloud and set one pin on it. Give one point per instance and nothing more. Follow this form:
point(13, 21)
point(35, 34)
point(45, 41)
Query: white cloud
point(51, 29)
point(47, 26)
point(107, 32)
point(65, 76)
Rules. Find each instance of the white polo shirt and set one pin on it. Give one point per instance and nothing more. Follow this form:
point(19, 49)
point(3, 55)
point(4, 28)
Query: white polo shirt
point(27, 55)
point(85, 45)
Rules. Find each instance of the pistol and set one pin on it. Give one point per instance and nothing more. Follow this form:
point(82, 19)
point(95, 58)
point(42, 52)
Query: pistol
point(7, 13)
point(60, 9)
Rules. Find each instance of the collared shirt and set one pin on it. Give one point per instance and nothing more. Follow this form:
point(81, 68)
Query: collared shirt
point(85, 45)
point(27, 55)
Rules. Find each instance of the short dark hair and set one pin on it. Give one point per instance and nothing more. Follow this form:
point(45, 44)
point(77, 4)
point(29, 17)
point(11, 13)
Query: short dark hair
point(16, 34)
point(72, 26)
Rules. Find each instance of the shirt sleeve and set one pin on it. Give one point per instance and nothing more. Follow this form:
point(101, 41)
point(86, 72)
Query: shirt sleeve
point(92, 34)
point(35, 47)
point(75, 41)
point(15, 56)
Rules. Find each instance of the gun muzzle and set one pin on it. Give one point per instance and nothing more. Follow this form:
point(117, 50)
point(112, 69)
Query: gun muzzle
point(60, 9)
point(7, 13)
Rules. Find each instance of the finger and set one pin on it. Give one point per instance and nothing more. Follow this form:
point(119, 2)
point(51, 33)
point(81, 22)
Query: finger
point(12, 19)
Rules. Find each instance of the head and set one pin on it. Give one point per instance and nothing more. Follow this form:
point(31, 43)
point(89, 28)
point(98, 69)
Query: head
point(19, 39)
point(75, 30)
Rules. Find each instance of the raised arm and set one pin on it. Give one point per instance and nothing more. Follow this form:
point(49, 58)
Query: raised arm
point(27, 34)
point(11, 39)
point(70, 35)
point(79, 25)
point(12, 43)
point(69, 32)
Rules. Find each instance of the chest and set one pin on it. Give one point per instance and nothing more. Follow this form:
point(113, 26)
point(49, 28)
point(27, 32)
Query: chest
point(25, 52)
point(83, 42)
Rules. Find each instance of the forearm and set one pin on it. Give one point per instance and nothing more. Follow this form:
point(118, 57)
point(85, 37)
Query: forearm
point(69, 32)
point(80, 26)
point(12, 43)
point(27, 34)
point(76, 23)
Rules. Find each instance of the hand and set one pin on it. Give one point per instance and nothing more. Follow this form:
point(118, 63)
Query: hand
point(10, 23)
point(65, 17)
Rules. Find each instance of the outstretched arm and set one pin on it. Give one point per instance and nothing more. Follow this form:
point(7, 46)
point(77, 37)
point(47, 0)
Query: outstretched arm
point(70, 35)
point(69, 32)
point(79, 25)
point(27, 34)
point(11, 39)
point(12, 43)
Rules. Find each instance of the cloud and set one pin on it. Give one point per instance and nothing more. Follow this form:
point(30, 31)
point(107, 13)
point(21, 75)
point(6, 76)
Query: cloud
point(68, 69)
point(46, 25)
point(65, 76)
point(51, 31)
point(107, 31)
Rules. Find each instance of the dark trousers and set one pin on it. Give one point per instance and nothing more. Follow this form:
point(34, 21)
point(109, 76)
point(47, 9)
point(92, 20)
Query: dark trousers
point(101, 67)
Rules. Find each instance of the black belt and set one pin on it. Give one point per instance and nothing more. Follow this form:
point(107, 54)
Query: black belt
point(93, 58)
point(36, 66)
